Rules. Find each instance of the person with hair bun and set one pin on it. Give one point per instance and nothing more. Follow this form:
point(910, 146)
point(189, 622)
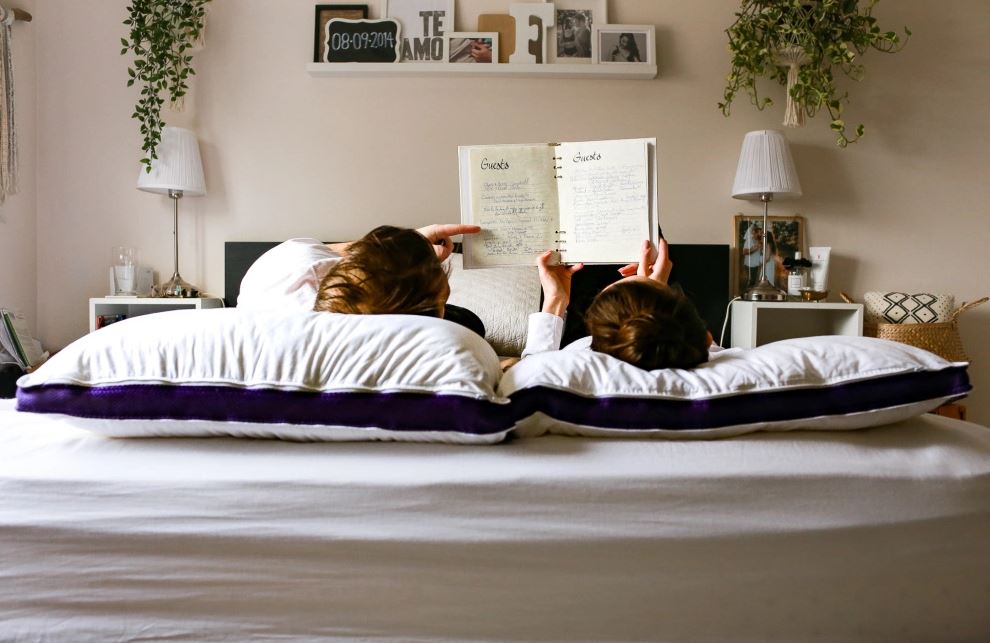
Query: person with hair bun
point(639, 319)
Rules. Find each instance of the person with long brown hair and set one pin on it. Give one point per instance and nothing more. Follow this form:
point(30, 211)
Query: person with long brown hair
point(390, 270)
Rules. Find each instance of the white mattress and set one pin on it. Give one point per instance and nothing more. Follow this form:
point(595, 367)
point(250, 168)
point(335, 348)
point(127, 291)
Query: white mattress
point(882, 534)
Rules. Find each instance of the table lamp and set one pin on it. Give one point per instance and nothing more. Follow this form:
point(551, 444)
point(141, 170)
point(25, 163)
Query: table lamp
point(177, 172)
point(765, 170)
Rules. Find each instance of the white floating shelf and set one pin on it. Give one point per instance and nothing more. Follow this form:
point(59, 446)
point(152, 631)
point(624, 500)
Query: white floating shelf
point(636, 71)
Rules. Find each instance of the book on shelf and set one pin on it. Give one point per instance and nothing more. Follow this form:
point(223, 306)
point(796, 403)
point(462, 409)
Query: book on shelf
point(17, 341)
point(591, 201)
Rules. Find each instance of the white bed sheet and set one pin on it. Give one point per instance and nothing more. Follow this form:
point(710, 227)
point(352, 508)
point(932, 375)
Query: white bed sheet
point(881, 534)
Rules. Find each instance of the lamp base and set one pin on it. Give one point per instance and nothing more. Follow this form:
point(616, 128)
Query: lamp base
point(179, 287)
point(764, 291)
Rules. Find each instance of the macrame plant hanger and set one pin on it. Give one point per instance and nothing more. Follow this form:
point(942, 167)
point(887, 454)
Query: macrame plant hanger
point(793, 56)
point(8, 133)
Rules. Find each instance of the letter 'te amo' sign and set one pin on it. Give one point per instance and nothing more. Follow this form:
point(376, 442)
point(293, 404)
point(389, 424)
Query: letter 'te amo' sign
point(362, 41)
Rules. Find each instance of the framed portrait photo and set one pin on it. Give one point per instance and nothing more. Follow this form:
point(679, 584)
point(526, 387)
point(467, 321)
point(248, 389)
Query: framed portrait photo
point(425, 24)
point(786, 237)
point(625, 44)
point(572, 35)
point(472, 47)
point(326, 12)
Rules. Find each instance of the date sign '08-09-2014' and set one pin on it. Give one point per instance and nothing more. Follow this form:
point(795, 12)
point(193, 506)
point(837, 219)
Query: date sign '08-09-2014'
point(362, 41)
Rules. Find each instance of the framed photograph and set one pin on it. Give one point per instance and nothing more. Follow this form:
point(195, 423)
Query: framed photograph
point(572, 36)
point(786, 237)
point(425, 24)
point(472, 47)
point(624, 44)
point(324, 12)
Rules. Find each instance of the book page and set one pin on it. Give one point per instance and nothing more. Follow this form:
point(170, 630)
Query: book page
point(18, 341)
point(606, 200)
point(510, 191)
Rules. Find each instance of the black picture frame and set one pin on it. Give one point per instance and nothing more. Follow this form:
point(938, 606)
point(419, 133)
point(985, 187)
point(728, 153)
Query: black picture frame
point(324, 12)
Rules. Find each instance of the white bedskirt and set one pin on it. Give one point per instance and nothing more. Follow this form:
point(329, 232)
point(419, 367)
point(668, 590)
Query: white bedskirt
point(881, 534)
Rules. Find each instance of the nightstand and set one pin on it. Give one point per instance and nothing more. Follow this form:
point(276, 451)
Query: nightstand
point(135, 306)
point(755, 323)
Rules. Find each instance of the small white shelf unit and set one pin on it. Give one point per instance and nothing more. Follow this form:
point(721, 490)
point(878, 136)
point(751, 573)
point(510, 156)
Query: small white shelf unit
point(135, 306)
point(631, 71)
point(755, 323)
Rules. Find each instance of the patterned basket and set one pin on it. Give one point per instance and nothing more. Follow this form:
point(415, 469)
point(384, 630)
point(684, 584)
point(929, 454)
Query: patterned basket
point(941, 338)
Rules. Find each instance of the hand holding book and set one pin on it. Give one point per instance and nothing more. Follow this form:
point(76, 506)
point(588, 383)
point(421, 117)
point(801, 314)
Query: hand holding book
point(591, 201)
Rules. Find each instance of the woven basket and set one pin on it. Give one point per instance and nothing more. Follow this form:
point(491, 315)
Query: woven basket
point(942, 338)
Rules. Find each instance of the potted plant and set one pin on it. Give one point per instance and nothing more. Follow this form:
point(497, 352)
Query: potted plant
point(161, 34)
point(803, 44)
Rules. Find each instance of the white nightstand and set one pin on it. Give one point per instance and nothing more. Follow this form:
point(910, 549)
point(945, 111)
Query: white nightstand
point(755, 323)
point(134, 306)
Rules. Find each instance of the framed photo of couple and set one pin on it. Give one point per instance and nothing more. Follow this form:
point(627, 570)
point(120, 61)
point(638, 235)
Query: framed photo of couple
point(571, 38)
point(786, 237)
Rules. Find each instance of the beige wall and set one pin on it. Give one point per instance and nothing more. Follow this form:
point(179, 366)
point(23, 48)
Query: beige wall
point(287, 154)
point(18, 245)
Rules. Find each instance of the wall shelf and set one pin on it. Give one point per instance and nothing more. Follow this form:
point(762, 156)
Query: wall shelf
point(560, 70)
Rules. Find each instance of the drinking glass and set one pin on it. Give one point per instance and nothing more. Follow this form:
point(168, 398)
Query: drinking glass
point(124, 262)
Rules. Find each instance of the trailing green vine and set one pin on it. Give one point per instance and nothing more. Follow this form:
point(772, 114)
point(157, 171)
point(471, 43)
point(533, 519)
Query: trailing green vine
point(161, 34)
point(828, 35)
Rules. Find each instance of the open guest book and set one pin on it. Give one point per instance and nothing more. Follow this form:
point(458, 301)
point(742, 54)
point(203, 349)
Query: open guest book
point(592, 202)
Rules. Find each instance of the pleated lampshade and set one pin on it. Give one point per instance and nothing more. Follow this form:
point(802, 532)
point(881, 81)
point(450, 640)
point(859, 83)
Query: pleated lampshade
point(765, 167)
point(178, 166)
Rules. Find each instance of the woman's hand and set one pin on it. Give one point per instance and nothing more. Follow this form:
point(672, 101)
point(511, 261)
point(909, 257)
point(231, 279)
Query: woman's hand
point(439, 234)
point(556, 282)
point(655, 266)
point(481, 52)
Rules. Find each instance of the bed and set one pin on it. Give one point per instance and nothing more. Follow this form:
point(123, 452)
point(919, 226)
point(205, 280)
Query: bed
point(874, 534)
point(880, 534)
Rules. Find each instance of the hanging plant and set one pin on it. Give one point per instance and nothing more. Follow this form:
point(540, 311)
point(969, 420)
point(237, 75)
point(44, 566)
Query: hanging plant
point(161, 34)
point(802, 44)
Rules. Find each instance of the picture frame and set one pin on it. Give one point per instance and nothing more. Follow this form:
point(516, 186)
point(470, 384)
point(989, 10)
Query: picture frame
point(570, 41)
point(425, 24)
point(787, 237)
point(472, 47)
point(324, 13)
point(625, 45)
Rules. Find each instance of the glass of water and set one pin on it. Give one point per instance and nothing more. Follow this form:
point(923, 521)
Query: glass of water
point(124, 262)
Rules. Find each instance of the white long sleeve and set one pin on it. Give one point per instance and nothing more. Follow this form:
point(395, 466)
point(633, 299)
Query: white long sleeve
point(544, 333)
point(287, 277)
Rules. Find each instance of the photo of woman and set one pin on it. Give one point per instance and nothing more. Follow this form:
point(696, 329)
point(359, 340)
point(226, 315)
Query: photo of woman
point(626, 50)
point(625, 44)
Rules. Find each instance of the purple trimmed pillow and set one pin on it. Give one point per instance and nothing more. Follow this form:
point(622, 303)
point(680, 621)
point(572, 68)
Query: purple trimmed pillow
point(294, 376)
point(816, 383)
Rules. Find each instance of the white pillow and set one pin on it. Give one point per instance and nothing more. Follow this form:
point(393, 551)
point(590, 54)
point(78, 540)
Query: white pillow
point(808, 383)
point(502, 297)
point(297, 376)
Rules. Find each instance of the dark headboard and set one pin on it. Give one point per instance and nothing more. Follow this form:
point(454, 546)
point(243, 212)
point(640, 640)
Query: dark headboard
point(237, 258)
point(701, 270)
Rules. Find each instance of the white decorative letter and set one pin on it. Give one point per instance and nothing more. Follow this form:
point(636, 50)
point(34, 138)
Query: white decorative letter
point(532, 21)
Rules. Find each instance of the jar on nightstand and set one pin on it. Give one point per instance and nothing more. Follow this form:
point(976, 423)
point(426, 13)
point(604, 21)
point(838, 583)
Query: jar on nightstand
point(797, 276)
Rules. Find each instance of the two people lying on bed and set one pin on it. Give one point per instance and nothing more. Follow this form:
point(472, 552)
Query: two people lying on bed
point(390, 270)
point(639, 319)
